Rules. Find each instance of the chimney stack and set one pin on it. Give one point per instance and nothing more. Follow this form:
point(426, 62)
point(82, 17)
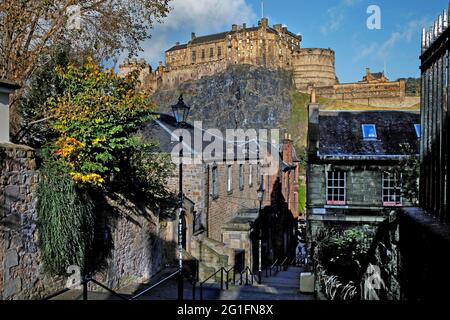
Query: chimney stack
point(193, 36)
point(264, 22)
point(234, 27)
point(313, 129)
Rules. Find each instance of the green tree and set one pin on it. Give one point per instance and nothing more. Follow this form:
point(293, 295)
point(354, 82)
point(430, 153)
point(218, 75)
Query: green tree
point(95, 119)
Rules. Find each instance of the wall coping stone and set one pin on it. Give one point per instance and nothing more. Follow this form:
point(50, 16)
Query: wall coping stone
point(428, 222)
point(9, 145)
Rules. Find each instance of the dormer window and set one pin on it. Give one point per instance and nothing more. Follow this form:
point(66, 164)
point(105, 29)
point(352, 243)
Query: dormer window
point(418, 129)
point(369, 131)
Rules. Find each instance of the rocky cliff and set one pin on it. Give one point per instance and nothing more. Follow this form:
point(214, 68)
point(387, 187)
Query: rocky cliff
point(243, 96)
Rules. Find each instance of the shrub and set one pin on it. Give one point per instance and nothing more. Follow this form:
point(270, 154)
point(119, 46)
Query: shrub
point(65, 219)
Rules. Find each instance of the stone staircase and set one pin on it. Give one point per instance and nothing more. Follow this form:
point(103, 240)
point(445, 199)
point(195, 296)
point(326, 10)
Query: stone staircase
point(212, 255)
point(283, 285)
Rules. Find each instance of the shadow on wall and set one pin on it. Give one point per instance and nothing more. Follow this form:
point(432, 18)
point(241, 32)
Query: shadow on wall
point(133, 241)
point(277, 224)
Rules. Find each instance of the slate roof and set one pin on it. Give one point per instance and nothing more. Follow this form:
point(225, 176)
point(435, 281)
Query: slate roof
point(178, 47)
point(161, 131)
point(340, 133)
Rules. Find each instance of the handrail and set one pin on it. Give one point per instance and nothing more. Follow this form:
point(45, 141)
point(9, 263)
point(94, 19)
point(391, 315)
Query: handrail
point(247, 270)
point(155, 285)
point(84, 283)
point(60, 292)
point(271, 268)
point(282, 263)
point(108, 289)
point(215, 273)
point(221, 270)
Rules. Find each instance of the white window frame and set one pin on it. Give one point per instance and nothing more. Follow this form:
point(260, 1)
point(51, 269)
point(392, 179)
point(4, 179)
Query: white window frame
point(229, 178)
point(335, 185)
point(393, 185)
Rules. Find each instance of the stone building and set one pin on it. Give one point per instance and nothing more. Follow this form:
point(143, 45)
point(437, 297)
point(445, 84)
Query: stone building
point(272, 47)
point(353, 174)
point(374, 89)
point(223, 222)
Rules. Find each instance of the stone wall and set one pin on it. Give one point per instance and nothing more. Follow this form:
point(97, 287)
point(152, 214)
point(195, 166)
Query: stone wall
point(21, 274)
point(139, 244)
point(384, 94)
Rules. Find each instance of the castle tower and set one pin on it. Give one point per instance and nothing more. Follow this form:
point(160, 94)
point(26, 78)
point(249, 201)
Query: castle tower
point(314, 66)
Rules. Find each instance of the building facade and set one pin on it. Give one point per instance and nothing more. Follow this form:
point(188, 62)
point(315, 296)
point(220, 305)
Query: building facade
point(354, 174)
point(224, 216)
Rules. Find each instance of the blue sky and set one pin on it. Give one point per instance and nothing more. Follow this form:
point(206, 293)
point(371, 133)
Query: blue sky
point(338, 24)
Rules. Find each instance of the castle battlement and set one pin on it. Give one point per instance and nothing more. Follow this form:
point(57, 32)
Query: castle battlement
point(272, 47)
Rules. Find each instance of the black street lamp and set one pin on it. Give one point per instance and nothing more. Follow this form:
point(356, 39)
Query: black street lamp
point(180, 112)
point(260, 192)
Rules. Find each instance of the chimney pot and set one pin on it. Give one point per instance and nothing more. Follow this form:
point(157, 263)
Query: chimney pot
point(193, 36)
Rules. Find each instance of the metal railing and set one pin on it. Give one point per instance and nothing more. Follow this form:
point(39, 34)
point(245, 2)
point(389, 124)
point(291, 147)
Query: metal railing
point(84, 283)
point(222, 271)
point(270, 268)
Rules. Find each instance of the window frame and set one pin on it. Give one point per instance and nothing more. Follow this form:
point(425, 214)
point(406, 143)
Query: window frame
point(418, 129)
point(229, 178)
point(334, 201)
point(250, 175)
point(397, 186)
point(215, 182)
point(366, 125)
point(241, 177)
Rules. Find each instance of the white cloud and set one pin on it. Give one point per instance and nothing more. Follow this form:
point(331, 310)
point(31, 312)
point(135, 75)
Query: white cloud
point(199, 16)
point(380, 52)
point(336, 15)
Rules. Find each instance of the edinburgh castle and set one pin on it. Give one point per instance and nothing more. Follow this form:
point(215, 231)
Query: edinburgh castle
point(271, 47)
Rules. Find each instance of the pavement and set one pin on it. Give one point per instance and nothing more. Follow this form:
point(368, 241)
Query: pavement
point(282, 286)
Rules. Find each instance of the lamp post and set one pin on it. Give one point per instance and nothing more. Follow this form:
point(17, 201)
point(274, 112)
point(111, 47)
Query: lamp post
point(180, 112)
point(260, 198)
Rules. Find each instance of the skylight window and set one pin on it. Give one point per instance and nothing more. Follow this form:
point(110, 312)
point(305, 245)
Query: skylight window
point(369, 131)
point(418, 128)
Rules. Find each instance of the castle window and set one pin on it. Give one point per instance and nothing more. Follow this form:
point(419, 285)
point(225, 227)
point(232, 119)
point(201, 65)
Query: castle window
point(369, 131)
point(203, 53)
point(336, 187)
point(219, 51)
point(392, 190)
point(211, 52)
point(194, 56)
point(250, 175)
